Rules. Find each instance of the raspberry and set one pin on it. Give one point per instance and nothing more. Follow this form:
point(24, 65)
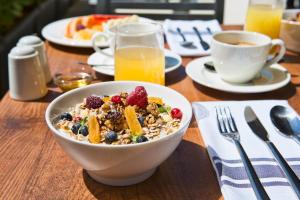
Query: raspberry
point(138, 97)
point(176, 113)
point(116, 99)
point(93, 102)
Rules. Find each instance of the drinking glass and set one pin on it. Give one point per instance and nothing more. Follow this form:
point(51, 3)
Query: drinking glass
point(139, 52)
point(264, 16)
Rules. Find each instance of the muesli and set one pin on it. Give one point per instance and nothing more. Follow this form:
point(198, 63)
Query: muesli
point(120, 119)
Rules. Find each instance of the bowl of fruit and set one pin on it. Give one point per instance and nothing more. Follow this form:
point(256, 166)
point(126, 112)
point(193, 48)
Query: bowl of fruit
point(120, 131)
point(290, 29)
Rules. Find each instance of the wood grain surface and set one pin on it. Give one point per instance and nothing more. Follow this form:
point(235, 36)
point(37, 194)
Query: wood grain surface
point(33, 166)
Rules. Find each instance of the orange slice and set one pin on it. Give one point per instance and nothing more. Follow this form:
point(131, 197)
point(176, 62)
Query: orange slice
point(106, 99)
point(132, 121)
point(94, 130)
point(84, 34)
point(156, 100)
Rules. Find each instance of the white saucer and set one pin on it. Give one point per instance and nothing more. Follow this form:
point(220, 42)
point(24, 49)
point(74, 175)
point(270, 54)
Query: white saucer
point(97, 59)
point(271, 79)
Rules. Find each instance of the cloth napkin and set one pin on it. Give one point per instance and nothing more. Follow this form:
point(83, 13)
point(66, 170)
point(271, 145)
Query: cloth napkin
point(186, 26)
point(227, 163)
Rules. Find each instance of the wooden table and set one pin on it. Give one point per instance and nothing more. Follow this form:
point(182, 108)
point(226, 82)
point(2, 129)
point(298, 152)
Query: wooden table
point(33, 166)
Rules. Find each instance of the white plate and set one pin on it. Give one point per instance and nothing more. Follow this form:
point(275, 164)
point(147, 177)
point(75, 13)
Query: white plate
point(54, 32)
point(96, 59)
point(271, 79)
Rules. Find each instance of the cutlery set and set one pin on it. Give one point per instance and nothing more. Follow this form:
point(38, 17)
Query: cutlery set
point(190, 44)
point(285, 120)
point(228, 129)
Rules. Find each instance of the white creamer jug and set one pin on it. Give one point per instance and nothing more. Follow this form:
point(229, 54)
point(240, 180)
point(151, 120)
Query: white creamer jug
point(26, 76)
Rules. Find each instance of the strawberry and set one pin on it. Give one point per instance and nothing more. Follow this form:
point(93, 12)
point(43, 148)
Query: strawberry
point(138, 97)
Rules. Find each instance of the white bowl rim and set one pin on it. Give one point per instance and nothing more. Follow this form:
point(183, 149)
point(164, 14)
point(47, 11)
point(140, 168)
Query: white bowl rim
point(68, 138)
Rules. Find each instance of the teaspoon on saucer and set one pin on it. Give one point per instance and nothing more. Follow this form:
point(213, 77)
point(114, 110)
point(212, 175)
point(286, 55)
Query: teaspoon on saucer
point(103, 65)
point(210, 66)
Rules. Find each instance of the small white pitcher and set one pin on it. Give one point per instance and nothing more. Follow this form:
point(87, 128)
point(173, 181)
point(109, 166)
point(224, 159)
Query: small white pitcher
point(26, 75)
point(36, 43)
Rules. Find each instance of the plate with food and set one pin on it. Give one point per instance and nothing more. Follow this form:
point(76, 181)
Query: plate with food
point(78, 31)
point(119, 131)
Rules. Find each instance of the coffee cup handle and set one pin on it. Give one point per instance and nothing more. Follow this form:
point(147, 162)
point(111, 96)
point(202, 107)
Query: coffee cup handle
point(275, 59)
point(94, 42)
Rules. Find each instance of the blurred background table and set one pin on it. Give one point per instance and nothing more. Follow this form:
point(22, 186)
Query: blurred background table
point(33, 166)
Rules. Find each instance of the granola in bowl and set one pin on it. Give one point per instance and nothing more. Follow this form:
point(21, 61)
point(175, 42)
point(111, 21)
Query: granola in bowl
point(124, 118)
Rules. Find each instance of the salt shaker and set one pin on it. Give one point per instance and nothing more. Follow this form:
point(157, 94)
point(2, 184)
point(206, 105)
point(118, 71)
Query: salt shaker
point(39, 46)
point(26, 75)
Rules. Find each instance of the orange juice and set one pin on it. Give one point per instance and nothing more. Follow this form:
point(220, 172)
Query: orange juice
point(264, 19)
point(140, 64)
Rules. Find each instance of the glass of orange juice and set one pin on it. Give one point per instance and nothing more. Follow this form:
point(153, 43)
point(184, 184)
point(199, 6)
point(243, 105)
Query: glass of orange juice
point(264, 16)
point(139, 52)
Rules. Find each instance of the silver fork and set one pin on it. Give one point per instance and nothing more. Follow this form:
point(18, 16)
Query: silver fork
point(228, 129)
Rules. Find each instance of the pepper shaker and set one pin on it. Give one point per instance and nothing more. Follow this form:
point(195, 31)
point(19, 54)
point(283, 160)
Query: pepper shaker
point(26, 75)
point(36, 43)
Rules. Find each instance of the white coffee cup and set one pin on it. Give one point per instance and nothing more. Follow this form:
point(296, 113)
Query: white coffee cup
point(241, 63)
point(26, 75)
point(107, 35)
point(36, 43)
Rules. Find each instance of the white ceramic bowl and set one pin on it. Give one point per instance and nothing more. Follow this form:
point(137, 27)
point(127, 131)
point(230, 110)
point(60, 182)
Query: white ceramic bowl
point(290, 31)
point(119, 165)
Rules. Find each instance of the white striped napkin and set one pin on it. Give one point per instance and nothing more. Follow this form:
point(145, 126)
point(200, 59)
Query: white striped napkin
point(186, 26)
point(231, 174)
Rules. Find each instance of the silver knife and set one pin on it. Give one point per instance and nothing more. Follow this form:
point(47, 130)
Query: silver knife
point(259, 130)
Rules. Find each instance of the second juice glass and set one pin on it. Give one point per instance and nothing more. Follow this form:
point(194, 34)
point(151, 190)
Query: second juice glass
point(264, 16)
point(139, 52)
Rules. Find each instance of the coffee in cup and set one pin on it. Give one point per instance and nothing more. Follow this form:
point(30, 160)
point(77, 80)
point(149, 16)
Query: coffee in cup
point(242, 43)
point(238, 56)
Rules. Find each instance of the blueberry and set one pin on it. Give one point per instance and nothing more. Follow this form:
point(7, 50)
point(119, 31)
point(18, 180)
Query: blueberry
point(66, 116)
point(75, 128)
point(141, 120)
point(141, 139)
point(84, 131)
point(110, 137)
